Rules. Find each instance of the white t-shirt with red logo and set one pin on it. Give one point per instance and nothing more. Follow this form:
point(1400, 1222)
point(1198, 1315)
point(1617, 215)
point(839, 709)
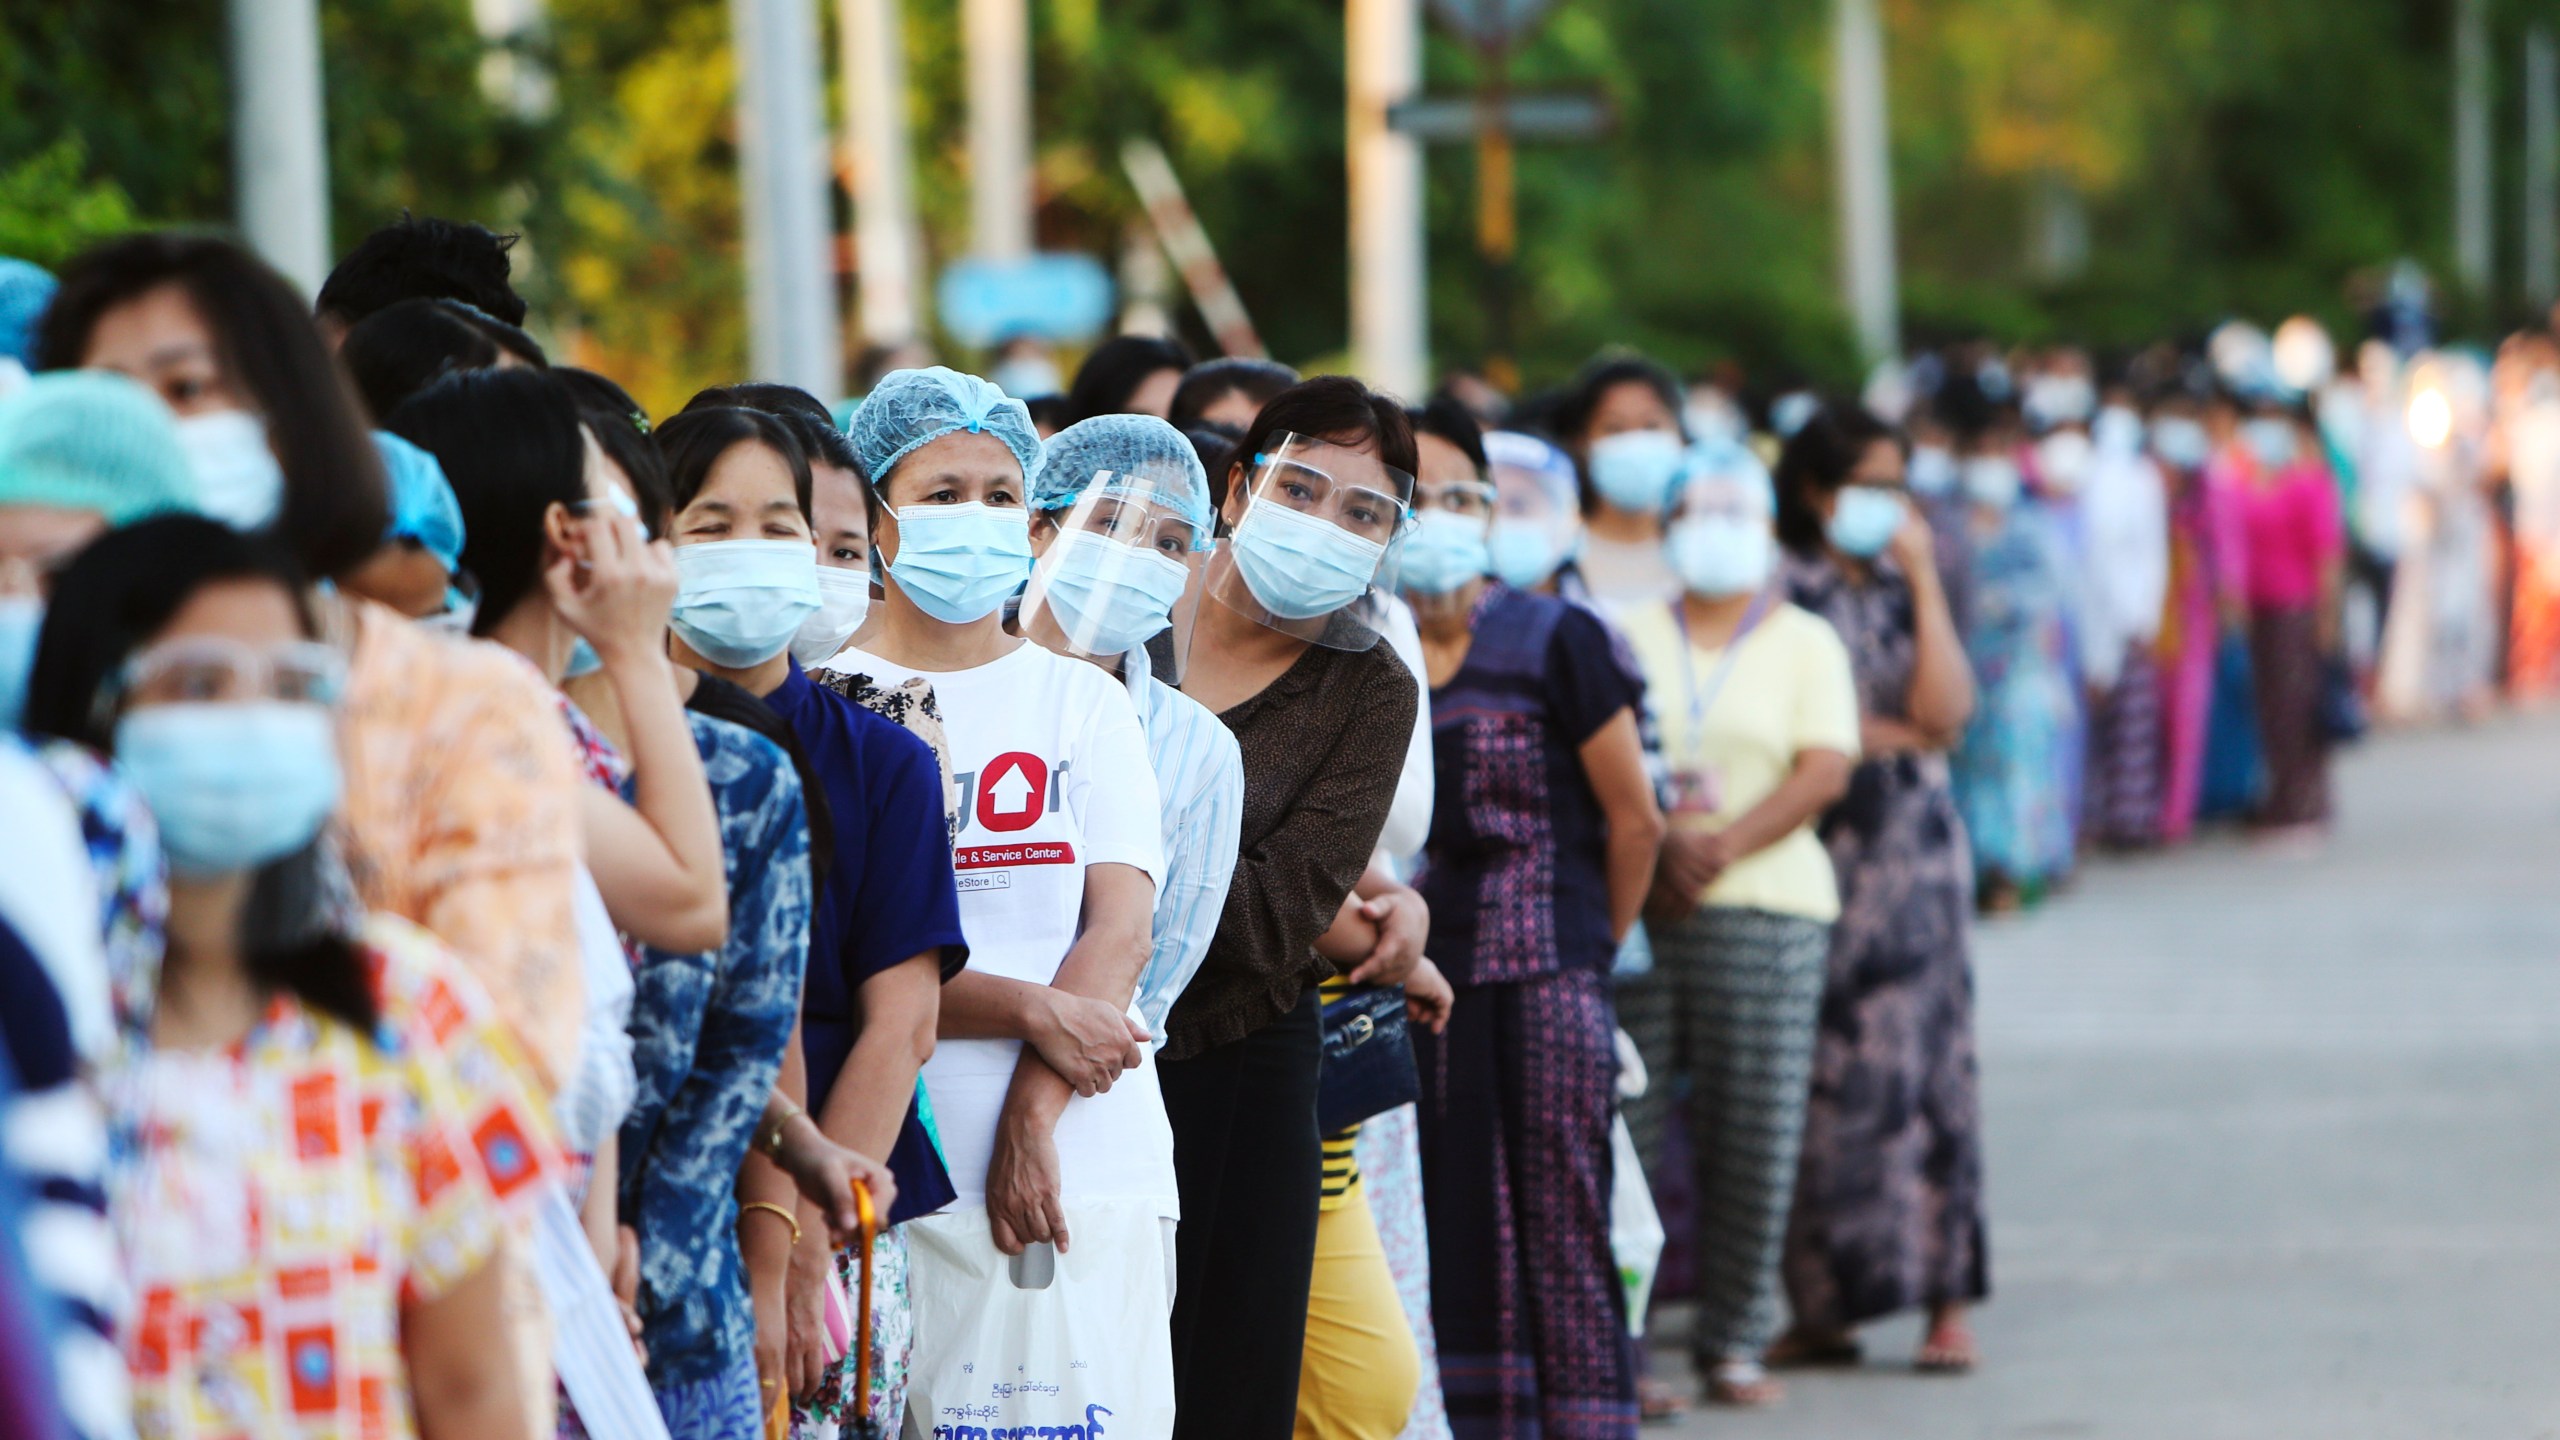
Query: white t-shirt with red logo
point(1053, 775)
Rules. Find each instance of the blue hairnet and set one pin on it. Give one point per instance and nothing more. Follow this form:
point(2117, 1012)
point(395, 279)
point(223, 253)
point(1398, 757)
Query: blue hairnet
point(422, 504)
point(913, 408)
point(25, 289)
point(1552, 467)
point(1139, 452)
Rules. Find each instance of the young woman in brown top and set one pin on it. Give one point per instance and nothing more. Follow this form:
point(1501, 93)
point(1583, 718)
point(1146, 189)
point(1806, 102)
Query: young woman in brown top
point(1319, 490)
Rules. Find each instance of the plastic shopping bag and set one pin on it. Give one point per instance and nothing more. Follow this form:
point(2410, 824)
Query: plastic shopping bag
point(1635, 1229)
point(1075, 1350)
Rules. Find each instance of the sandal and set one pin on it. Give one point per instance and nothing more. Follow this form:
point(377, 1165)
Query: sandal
point(1799, 1348)
point(1742, 1384)
point(1947, 1349)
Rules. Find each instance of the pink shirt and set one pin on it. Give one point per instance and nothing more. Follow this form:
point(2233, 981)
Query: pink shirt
point(2292, 530)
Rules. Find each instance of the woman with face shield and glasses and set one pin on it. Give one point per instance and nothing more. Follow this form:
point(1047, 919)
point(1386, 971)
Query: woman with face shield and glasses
point(1541, 847)
point(1322, 712)
point(293, 1056)
point(1051, 1137)
point(1759, 723)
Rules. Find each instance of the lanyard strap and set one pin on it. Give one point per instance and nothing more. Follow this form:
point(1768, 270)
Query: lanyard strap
point(1701, 702)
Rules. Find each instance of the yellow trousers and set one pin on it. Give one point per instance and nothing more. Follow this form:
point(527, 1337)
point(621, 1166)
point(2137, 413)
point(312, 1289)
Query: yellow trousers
point(1360, 1370)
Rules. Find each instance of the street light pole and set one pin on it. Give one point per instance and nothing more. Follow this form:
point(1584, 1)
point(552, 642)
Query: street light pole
point(2474, 247)
point(1389, 302)
point(883, 166)
point(279, 136)
point(997, 34)
point(1497, 212)
point(2541, 167)
point(1861, 151)
point(782, 124)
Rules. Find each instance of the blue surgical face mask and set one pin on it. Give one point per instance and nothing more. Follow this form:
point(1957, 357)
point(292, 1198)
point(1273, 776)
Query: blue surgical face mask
point(1634, 469)
point(233, 785)
point(1443, 553)
point(739, 602)
point(1717, 555)
point(1300, 566)
point(959, 562)
point(1523, 553)
point(1932, 470)
point(844, 602)
point(1992, 480)
point(1109, 598)
point(21, 621)
point(1862, 524)
point(238, 481)
point(2181, 442)
point(2271, 439)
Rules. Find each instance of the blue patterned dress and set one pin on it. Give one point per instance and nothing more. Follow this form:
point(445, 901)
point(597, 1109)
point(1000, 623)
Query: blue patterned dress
point(2017, 773)
point(707, 1034)
point(1518, 1095)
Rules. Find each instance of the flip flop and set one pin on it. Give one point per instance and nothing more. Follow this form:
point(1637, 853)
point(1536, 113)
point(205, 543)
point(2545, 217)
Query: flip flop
point(1657, 1403)
point(1947, 1355)
point(1796, 1350)
point(1742, 1385)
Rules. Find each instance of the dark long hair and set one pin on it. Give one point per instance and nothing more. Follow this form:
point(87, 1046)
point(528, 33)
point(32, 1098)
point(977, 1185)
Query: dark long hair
point(1818, 460)
point(695, 440)
point(807, 416)
point(107, 604)
point(1329, 407)
point(621, 429)
point(1116, 368)
point(511, 443)
point(337, 505)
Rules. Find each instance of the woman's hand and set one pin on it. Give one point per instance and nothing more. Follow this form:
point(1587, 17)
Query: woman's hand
point(1915, 546)
point(1404, 927)
point(1024, 1206)
point(773, 1343)
point(826, 1173)
point(1087, 1041)
point(1428, 997)
point(626, 1284)
point(620, 595)
point(805, 1316)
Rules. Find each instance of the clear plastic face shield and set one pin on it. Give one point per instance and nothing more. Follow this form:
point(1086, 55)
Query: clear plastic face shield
point(1119, 570)
point(1318, 535)
point(1537, 520)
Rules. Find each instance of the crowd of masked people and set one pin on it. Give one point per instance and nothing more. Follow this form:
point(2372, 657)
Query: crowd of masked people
point(1189, 902)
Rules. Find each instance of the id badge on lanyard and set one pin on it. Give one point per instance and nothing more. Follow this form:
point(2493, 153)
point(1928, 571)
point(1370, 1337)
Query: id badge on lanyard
point(1698, 789)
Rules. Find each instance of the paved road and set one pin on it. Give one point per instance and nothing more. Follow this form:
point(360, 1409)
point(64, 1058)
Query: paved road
point(2274, 1142)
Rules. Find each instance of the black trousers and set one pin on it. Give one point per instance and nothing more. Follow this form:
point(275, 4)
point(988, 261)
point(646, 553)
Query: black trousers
point(1247, 1158)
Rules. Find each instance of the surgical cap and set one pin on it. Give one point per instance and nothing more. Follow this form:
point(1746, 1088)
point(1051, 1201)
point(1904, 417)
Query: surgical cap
point(95, 441)
point(910, 409)
point(1553, 468)
point(423, 507)
point(25, 289)
point(1137, 451)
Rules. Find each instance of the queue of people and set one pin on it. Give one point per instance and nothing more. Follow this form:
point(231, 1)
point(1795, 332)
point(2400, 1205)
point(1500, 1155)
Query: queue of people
point(1189, 902)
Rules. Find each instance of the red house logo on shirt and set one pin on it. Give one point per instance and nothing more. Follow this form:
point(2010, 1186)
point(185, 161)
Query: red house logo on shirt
point(1012, 791)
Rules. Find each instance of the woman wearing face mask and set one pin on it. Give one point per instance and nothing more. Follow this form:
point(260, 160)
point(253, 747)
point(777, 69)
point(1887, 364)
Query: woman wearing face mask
point(2295, 560)
point(461, 804)
point(885, 932)
point(2015, 773)
point(1532, 884)
point(838, 507)
point(1887, 1212)
point(1040, 1123)
point(286, 1032)
point(79, 454)
point(1759, 721)
point(1623, 423)
point(2125, 515)
point(1322, 712)
point(2204, 601)
point(1537, 525)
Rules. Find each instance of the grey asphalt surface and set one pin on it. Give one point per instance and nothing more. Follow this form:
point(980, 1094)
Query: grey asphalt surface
point(2274, 1141)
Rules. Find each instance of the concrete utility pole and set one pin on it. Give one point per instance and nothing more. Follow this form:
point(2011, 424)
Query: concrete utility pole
point(1862, 155)
point(1389, 299)
point(790, 237)
point(2474, 247)
point(279, 136)
point(2541, 166)
point(997, 35)
point(883, 162)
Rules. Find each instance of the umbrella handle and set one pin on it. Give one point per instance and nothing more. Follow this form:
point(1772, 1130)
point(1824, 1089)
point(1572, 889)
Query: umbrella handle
point(862, 1303)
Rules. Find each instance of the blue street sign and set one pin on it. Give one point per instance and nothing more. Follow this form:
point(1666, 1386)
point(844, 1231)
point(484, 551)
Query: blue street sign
point(1049, 297)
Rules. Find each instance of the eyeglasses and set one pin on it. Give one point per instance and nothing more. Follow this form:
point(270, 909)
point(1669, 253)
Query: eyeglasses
point(1365, 511)
point(1472, 498)
point(213, 668)
point(1134, 521)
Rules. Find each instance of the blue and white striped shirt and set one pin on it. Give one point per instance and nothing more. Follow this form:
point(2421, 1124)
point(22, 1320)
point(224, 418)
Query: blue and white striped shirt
point(1200, 775)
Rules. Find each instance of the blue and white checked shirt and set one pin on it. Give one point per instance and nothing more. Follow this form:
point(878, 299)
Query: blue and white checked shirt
point(1200, 774)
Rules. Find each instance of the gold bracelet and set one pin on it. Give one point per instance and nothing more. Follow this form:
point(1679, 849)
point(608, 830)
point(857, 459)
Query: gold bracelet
point(787, 1217)
point(770, 1142)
